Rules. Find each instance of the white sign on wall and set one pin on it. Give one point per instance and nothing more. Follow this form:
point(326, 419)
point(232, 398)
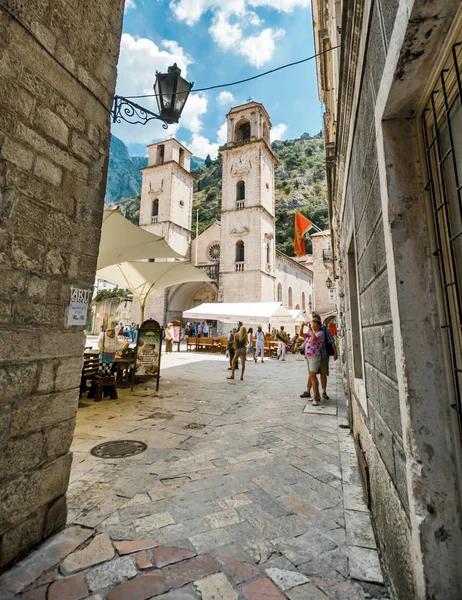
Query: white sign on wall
point(78, 307)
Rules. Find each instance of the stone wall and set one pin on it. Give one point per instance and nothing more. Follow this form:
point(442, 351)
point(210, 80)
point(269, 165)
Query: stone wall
point(54, 144)
point(389, 309)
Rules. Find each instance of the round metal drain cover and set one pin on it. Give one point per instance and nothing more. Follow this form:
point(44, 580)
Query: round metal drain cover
point(118, 449)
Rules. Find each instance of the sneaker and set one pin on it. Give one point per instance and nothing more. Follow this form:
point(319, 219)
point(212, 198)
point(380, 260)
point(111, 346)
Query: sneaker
point(305, 394)
point(315, 402)
point(325, 396)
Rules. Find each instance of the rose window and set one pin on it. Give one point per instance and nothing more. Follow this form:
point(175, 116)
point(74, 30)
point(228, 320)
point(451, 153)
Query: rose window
point(214, 251)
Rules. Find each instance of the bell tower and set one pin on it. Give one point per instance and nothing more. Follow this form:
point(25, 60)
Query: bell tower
point(167, 193)
point(247, 261)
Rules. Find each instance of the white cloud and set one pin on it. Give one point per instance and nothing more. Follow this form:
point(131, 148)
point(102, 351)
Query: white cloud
point(139, 60)
point(224, 33)
point(236, 27)
point(222, 134)
point(259, 49)
point(278, 131)
point(201, 146)
point(129, 4)
point(281, 5)
point(225, 99)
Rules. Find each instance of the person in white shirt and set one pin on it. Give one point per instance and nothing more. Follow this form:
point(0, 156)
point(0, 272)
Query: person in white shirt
point(260, 345)
point(205, 330)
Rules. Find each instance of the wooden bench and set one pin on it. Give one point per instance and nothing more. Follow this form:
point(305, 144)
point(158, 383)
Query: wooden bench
point(191, 343)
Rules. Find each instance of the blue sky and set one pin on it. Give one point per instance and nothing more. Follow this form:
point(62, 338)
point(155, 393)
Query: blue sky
point(214, 42)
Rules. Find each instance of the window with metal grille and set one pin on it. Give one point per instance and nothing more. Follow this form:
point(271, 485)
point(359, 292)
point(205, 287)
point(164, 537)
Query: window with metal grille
point(442, 127)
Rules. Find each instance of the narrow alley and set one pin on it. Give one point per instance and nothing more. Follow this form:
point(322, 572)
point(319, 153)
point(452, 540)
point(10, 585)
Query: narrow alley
point(264, 500)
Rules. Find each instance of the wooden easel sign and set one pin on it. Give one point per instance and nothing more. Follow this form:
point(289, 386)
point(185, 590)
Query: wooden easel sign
point(148, 350)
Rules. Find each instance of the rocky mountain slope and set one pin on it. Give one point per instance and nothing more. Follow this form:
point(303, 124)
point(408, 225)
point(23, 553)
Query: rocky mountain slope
point(300, 184)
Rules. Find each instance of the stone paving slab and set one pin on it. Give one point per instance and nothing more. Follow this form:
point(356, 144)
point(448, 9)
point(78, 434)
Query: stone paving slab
point(240, 495)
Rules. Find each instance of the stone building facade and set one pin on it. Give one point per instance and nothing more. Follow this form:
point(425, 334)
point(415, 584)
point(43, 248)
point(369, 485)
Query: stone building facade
point(54, 143)
point(325, 299)
point(393, 134)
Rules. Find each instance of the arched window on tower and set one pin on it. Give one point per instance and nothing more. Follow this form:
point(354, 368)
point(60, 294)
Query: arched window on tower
point(240, 255)
point(155, 211)
point(240, 194)
point(268, 256)
point(279, 292)
point(290, 297)
point(303, 301)
point(243, 131)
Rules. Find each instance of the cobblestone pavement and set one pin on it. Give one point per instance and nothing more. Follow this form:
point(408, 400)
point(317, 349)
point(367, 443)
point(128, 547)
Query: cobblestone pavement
point(239, 495)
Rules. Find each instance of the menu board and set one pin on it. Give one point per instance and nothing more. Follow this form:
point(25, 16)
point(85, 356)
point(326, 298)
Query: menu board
point(148, 351)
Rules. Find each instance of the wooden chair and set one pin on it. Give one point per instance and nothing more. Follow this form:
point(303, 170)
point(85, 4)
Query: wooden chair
point(89, 370)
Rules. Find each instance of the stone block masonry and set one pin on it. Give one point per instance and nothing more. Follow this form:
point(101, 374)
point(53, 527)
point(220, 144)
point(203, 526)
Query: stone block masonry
point(54, 144)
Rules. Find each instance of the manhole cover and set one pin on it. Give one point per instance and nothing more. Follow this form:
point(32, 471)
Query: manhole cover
point(118, 449)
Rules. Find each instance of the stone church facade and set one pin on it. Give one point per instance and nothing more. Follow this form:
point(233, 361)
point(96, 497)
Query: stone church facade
point(239, 251)
point(393, 137)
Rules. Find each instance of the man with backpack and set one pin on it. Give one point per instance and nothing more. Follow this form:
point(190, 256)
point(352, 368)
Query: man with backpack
point(328, 349)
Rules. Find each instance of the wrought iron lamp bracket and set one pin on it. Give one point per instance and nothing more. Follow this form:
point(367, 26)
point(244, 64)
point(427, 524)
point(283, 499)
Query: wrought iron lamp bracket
point(125, 110)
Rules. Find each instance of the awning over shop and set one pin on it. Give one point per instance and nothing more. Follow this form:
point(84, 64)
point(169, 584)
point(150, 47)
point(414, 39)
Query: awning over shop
point(247, 312)
point(122, 240)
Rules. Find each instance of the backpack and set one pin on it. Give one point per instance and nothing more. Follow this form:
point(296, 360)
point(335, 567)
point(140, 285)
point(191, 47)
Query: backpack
point(328, 345)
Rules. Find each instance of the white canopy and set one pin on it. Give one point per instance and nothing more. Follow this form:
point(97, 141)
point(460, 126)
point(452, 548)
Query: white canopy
point(298, 315)
point(141, 278)
point(122, 241)
point(247, 312)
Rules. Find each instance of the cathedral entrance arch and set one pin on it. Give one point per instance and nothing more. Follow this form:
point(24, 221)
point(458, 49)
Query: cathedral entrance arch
point(188, 295)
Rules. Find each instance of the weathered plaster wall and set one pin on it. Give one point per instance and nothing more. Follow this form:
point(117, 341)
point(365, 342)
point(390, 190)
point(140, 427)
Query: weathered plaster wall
point(54, 144)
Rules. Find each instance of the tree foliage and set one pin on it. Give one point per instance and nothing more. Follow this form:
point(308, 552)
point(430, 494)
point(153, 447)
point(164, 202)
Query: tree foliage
point(114, 293)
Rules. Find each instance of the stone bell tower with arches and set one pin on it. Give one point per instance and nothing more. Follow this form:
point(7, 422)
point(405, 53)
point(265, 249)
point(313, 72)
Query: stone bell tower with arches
point(247, 260)
point(167, 194)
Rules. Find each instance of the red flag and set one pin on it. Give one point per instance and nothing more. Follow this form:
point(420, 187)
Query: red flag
point(302, 225)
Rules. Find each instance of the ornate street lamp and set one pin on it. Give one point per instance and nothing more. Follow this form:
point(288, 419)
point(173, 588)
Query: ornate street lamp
point(171, 92)
point(328, 283)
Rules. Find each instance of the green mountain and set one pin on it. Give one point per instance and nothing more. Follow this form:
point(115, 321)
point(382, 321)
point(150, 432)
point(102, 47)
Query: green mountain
point(124, 177)
point(300, 184)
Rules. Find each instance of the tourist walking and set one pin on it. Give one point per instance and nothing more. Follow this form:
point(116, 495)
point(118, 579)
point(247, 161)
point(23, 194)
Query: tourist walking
point(169, 338)
point(231, 335)
point(328, 349)
point(281, 337)
point(250, 342)
point(260, 345)
point(240, 343)
point(314, 340)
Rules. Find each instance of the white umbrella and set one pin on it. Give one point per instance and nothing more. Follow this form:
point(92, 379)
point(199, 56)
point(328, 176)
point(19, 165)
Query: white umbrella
point(141, 278)
point(122, 241)
point(248, 312)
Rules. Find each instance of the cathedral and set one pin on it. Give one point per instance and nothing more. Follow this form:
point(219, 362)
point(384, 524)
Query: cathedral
point(239, 251)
